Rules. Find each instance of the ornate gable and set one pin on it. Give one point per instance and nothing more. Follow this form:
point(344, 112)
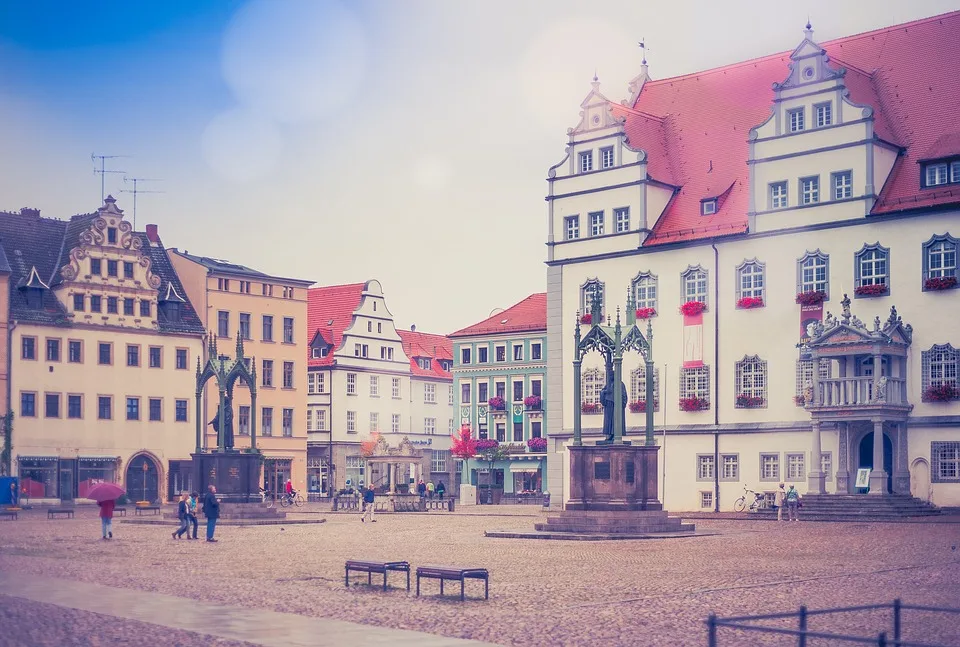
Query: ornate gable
point(595, 113)
point(809, 63)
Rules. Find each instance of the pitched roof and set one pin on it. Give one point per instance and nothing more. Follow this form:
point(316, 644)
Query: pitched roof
point(695, 127)
point(530, 315)
point(427, 345)
point(329, 312)
point(218, 265)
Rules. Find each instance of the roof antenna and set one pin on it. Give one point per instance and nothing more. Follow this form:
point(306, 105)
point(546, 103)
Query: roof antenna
point(135, 191)
point(103, 170)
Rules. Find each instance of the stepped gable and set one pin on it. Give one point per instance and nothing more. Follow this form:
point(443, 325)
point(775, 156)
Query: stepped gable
point(329, 312)
point(529, 315)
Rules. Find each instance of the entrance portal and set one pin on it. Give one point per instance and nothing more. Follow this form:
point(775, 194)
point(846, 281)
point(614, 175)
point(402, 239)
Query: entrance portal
point(143, 479)
point(866, 457)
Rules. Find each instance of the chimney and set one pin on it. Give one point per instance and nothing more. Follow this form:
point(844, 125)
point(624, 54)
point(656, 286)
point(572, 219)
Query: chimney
point(152, 234)
point(413, 327)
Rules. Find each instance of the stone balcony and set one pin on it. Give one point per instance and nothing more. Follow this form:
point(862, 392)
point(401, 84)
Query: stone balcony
point(844, 397)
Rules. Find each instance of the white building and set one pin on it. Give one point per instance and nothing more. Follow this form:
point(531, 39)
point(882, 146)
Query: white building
point(831, 169)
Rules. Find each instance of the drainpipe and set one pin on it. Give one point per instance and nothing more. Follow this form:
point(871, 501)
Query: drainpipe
point(331, 480)
point(716, 378)
point(10, 327)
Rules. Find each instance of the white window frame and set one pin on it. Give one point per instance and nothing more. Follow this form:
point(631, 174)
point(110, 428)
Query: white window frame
point(795, 120)
point(694, 285)
point(940, 366)
point(955, 171)
point(536, 351)
point(429, 393)
point(751, 279)
point(729, 467)
point(395, 423)
point(597, 222)
point(706, 467)
point(779, 198)
point(809, 268)
point(321, 383)
point(706, 500)
point(823, 114)
point(621, 216)
point(810, 189)
point(321, 421)
point(606, 157)
point(571, 227)
point(708, 207)
point(936, 174)
point(438, 460)
point(842, 184)
point(750, 378)
point(872, 265)
point(395, 388)
point(769, 466)
point(351, 383)
point(591, 383)
point(374, 421)
point(940, 255)
point(518, 352)
point(587, 290)
point(638, 385)
point(945, 461)
point(374, 386)
point(695, 382)
point(586, 161)
point(796, 466)
point(645, 290)
point(351, 422)
point(430, 426)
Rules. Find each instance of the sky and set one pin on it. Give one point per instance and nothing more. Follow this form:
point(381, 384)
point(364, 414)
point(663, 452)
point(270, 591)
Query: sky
point(407, 142)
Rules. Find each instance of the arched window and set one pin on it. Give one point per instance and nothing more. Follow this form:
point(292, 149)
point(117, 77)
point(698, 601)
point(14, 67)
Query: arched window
point(751, 383)
point(592, 289)
point(645, 290)
point(872, 270)
point(941, 367)
point(750, 280)
point(813, 273)
point(940, 262)
point(694, 283)
point(591, 382)
point(638, 387)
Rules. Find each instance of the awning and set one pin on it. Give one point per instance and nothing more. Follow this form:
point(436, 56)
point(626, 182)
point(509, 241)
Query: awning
point(110, 459)
point(521, 468)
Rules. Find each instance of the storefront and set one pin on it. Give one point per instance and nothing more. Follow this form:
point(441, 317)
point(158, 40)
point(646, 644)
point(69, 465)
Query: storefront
point(39, 477)
point(276, 473)
point(95, 469)
point(66, 479)
point(317, 478)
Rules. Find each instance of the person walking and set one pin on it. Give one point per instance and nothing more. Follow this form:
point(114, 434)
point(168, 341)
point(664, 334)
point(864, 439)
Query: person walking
point(441, 489)
point(183, 516)
point(211, 510)
point(430, 489)
point(793, 503)
point(422, 489)
point(778, 501)
point(368, 504)
point(106, 517)
point(192, 513)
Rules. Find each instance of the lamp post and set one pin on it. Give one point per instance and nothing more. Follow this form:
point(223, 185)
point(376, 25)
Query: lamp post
point(145, 468)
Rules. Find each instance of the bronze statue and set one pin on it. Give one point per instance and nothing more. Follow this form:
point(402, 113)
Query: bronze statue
point(607, 396)
point(226, 443)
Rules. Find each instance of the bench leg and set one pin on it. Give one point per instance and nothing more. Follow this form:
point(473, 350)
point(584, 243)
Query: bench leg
point(462, 583)
point(384, 579)
point(369, 578)
point(346, 577)
point(486, 588)
point(441, 586)
point(418, 584)
point(408, 580)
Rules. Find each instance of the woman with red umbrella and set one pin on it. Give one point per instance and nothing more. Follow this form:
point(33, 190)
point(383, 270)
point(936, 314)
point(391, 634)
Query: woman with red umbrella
point(106, 495)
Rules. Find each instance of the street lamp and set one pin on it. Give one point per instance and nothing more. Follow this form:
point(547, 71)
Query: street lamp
point(145, 468)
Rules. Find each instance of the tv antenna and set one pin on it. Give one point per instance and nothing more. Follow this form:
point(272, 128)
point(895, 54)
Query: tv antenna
point(135, 191)
point(103, 170)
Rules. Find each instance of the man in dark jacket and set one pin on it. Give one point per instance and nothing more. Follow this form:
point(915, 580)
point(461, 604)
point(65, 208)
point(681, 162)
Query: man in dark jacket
point(211, 509)
point(368, 503)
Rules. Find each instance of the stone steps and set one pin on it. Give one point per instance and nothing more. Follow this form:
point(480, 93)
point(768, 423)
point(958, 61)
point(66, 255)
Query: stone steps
point(860, 507)
point(604, 522)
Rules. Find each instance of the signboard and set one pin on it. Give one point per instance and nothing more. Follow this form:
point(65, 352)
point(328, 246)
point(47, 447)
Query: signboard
point(810, 316)
point(863, 478)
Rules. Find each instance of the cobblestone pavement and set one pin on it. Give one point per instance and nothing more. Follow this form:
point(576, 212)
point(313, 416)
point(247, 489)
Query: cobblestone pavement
point(542, 592)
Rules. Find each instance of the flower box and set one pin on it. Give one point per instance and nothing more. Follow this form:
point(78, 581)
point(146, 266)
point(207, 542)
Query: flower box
point(586, 319)
point(497, 403)
point(694, 404)
point(811, 298)
point(640, 406)
point(747, 303)
point(590, 407)
point(693, 308)
point(940, 283)
point(537, 445)
point(533, 402)
point(646, 313)
point(875, 290)
point(749, 401)
point(941, 393)
point(486, 445)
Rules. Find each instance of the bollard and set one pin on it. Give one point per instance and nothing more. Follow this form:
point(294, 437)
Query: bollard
point(896, 622)
point(712, 630)
point(882, 639)
point(802, 640)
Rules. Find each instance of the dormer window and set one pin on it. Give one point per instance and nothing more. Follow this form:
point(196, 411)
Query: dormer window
point(938, 173)
point(444, 365)
point(606, 157)
point(425, 363)
point(586, 161)
point(795, 118)
point(112, 235)
point(824, 114)
point(708, 207)
point(318, 352)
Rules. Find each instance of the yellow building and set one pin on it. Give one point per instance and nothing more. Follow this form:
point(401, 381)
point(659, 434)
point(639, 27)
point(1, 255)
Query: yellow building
point(103, 347)
point(270, 314)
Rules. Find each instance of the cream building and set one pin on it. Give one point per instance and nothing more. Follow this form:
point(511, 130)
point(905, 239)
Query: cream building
point(270, 314)
point(103, 349)
point(763, 192)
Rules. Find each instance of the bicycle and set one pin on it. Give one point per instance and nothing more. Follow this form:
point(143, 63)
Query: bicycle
point(291, 499)
point(741, 504)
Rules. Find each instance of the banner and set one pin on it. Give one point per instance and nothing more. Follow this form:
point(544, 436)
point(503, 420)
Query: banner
point(809, 317)
point(693, 340)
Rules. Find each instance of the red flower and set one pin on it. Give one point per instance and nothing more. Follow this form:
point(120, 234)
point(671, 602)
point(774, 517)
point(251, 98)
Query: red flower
point(749, 401)
point(533, 401)
point(811, 298)
point(943, 392)
point(497, 403)
point(646, 313)
point(750, 302)
point(940, 283)
point(537, 444)
point(799, 400)
point(586, 318)
point(875, 290)
point(692, 308)
point(694, 404)
point(590, 407)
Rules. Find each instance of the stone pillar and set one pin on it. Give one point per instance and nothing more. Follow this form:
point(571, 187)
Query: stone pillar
point(389, 467)
point(901, 467)
point(815, 477)
point(200, 417)
point(878, 478)
point(577, 401)
point(843, 469)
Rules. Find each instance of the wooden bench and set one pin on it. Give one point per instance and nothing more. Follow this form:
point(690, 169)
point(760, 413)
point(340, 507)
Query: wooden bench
point(152, 509)
point(456, 574)
point(120, 512)
point(54, 512)
point(370, 568)
point(9, 514)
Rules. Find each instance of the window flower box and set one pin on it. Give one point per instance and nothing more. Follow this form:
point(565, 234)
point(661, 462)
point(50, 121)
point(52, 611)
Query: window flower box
point(694, 404)
point(590, 407)
point(533, 402)
point(747, 303)
point(875, 290)
point(811, 298)
point(693, 308)
point(640, 406)
point(646, 313)
point(749, 401)
point(497, 403)
point(537, 445)
point(940, 283)
point(586, 318)
point(941, 393)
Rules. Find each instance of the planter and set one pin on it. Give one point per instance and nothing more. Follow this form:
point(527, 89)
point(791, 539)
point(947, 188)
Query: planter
point(586, 319)
point(589, 407)
point(811, 298)
point(497, 403)
point(749, 401)
point(537, 445)
point(638, 407)
point(646, 313)
point(533, 402)
point(941, 393)
point(694, 404)
point(693, 308)
point(876, 290)
point(937, 283)
point(747, 303)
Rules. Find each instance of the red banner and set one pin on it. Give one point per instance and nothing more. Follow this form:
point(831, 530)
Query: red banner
point(809, 317)
point(693, 340)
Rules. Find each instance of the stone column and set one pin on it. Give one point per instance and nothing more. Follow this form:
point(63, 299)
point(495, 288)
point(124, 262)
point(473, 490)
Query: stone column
point(878, 478)
point(901, 467)
point(842, 469)
point(577, 401)
point(815, 477)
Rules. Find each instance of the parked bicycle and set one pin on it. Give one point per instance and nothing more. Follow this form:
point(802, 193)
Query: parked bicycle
point(755, 503)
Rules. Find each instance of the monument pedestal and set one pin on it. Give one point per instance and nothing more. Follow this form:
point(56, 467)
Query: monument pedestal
point(236, 475)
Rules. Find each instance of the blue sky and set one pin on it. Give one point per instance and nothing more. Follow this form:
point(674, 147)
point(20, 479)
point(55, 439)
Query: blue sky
point(403, 141)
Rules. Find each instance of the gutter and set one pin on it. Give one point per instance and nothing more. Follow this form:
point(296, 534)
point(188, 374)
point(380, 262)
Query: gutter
point(11, 325)
point(716, 378)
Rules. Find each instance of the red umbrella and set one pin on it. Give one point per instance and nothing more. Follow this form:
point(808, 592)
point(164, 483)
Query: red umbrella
point(105, 492)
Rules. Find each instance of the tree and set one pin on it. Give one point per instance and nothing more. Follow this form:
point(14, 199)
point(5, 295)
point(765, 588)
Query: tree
point(464, 446)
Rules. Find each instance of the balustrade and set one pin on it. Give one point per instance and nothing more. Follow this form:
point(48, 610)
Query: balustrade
point(861, 391)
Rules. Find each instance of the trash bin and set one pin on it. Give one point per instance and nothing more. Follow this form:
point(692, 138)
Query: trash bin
point(546, 499)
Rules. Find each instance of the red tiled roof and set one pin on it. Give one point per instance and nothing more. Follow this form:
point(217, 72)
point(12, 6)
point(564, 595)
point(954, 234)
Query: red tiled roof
point(427, 345)
point(695, 127)
point(529, 315)
point(329, 312)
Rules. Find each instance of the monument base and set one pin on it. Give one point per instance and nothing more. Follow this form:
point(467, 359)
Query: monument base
point(613, 477)
point(236, 475)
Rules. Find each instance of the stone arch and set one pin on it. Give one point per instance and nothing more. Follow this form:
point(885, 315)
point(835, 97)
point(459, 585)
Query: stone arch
point(144, 484)
point(920, 479)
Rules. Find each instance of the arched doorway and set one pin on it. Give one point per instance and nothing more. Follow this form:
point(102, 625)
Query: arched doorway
point(866, 456)
point(920, 479)
point(143, 479)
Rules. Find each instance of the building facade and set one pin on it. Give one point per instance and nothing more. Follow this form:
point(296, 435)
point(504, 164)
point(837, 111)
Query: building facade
point(368, 379)
point(735, 208)
point(270, 314)
point(499, 378)
point(103, 347)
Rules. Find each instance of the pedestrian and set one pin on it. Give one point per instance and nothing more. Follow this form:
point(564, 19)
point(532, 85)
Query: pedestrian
point(192, 513)
point(793, 503)
point(441, 489)
point(430, 489)
point(368, 504)
point(13, 493)
point(778, 500)
point(183, 516)
point(422, 489)
point(211, 510)
point(106, 517)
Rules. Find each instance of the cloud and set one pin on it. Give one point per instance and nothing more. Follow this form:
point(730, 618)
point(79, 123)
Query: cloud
point(241, 145)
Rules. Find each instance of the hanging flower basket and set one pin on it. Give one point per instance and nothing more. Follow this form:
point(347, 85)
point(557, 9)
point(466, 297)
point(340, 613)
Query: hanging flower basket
point(811, 298)
point(875, 290)
point(586, 319)
point(533, 402)
point(646, 313)
point(940, 283)
point(497, 403)
point(590, 407)
point(694, 404)
point(692, 308)
point(537, 445)
point(749, 401)
point(941, 393)
point(746, 303)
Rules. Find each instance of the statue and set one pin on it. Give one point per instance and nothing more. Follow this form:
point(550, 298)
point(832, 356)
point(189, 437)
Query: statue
point(227, 440)
point(607, 396)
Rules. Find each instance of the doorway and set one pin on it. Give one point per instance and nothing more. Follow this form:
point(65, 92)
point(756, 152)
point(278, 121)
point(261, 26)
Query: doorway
point(68, 470)
point(143, 478)
point(866, 457)
point(920, 479)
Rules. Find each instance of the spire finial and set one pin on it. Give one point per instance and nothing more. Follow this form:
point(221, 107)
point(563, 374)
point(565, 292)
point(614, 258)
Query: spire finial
point(643, 47)
point(808, 30)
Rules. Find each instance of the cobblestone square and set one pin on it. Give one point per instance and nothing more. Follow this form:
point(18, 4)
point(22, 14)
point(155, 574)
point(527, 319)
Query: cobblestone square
point(650, 592)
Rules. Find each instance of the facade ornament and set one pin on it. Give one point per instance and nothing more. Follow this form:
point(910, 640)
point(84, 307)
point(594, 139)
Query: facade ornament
point(845, 317)
point(894, 318)
point(856, 323)
point(876, 324)
point(880, 392)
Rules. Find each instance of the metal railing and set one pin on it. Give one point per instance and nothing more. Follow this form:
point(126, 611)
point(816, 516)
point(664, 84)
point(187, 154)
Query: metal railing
point(858, 391)
point(803, 632)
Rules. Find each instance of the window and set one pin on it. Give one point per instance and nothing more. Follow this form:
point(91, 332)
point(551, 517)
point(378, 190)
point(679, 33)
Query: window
point(75, 351)
point(939, 260)
point(351, 383)
point(112, 235)
point(482, 430)
point(288, 330)
point(127, 270)
point(518, 432)
point(536, 387)
point(28, 348)
point(245, 287)
point(795, 118)
point(606, 157)
point(809, 190)
point(694, 281)
point(638, 387)
point(223, 324)
point(501, 432)
point(375, 386)
point(438, 461)
point(536, 351)
point(586, 161)
point(95, 266)
point(730, 467)
point(695, 383)
point(518, 352)
point(95, 303)
point(128, 307)
point(482, 392)
point(133, 408)
point(374, 421)
point(111, 268)
point(955, 171)
point(706, 499)
point(591, 291)
point(395, 388)
point(288, 375)
point(591, 383)
point(104, 353)
point(395, 423)
point(823, 114)
point(769, 467)
point(571, 227)
point(133, 355)
point(750, 280)
point(321, 420)
point(74, 407)
point(379, 326)
point(267, 373)
point(872, 267)
point(104, 407)
point(778, 195)
point(940, 367)
point(425, 363)
point(501, 389)
point(645, 290)
point(145, 309)
point(182, 358)
point(946, 461)
point(223, 285)
point(826, 464)
point(430, 393)
point(501, 353)
point(155, 353)
point(312, 383)
point(267, 328)
point(708, 207)
point(814, 273)
point(430, 425)
point(245, 325)
point(243, 420)
point(266, 289)
point(28, 405)
point(805, 374)
point(795, 469)
point(53, 350)
point(750, 375)
point(935, 174)
point(78, 302)
point(596, 223)
point(465, 355)
point(450, 395)
point(266, 421)
point(287, 422)
point(518, 391)
point(536, 429)
point(842, 185)
point(288, 293)
point(465, 393)
point(112, 305)
point(482, 355)
point(156, 408)
point(706, 467)
point(181, 410)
